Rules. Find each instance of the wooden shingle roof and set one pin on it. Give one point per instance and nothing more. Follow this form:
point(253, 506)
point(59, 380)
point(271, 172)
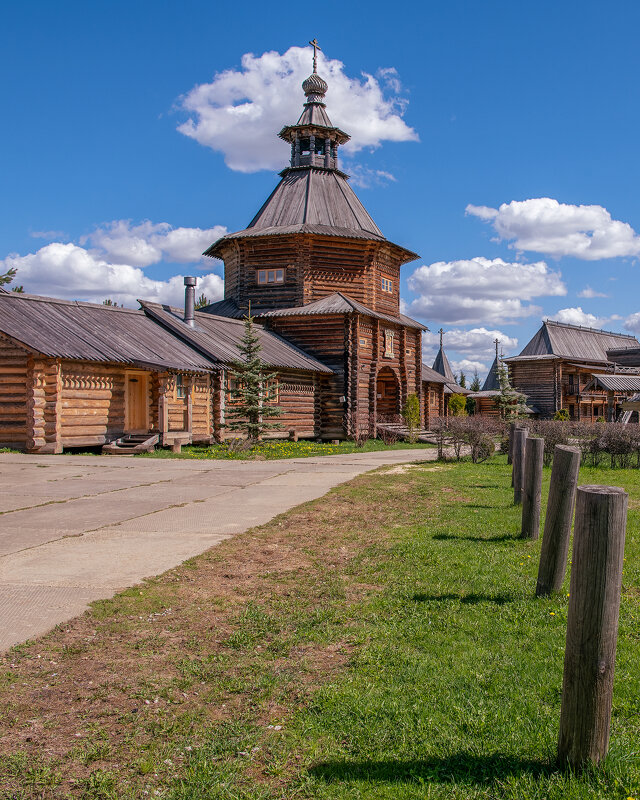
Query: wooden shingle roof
point(338, 303)
point(218, 338)
point(87, 331)
point(441, 365)
point(575, 342)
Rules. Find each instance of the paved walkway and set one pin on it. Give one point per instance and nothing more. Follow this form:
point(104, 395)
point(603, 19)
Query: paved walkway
point(79, 528)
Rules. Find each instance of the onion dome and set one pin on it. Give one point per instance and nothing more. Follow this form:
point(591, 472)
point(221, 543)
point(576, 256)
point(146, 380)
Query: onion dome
point(314, 84)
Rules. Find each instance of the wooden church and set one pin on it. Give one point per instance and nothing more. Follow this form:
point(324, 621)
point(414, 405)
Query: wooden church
point(313, 269)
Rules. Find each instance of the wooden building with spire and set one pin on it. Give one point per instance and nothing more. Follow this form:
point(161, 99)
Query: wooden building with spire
point(315, 268)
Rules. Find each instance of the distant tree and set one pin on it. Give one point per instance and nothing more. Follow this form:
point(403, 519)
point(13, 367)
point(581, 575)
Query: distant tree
point(18, 289)
point(510, 402)
point(202, 301)
point(458, 405)
point(110, 302)
point(8, 276)
point(411, 415)
point(462, 380)
point(252, 393)
point(475, 383)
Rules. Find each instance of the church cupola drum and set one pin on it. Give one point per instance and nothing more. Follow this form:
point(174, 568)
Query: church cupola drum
point(312, 237)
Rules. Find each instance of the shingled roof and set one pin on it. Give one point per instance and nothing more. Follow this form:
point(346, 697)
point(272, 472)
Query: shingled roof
point(87, 331)
point(338, 303)
point(441, 365)
point(575, 342)
point(218, 338)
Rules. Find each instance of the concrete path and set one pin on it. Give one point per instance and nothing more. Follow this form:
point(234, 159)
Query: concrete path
point(79, 528)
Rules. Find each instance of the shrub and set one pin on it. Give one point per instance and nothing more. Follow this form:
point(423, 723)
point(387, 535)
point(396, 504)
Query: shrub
point(411, 415)
point(562, 415)
point(458, 405)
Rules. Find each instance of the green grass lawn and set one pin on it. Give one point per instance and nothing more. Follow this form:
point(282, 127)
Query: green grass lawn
point(381, 642)
point(282, 449)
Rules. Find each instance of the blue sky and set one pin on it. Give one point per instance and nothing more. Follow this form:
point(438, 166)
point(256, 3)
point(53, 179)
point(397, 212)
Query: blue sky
point(499, 140)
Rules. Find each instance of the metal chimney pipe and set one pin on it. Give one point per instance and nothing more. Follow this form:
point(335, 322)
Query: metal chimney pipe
point(190, 300)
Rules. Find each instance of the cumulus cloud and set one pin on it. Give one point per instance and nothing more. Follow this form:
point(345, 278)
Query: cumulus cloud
point(632, 322)
point(469, 367)
point(240, 112)
point(544, 225)
point(478, 343)
point(576, 316)
point(113, 266)
point(589, 293)
point(147, 243)
point(481, 290)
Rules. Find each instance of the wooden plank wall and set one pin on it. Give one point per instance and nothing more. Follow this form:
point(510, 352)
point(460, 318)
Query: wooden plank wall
point(536, 379)
point(13, 394)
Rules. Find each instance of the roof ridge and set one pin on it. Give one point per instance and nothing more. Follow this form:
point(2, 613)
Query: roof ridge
point(587, 328)
point(42, 298)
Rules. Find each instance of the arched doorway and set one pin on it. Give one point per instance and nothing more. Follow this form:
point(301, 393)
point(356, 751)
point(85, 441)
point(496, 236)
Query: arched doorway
point(388, 393)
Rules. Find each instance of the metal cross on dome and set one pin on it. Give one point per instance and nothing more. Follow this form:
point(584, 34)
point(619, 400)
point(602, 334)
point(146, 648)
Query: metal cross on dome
point(316, 47)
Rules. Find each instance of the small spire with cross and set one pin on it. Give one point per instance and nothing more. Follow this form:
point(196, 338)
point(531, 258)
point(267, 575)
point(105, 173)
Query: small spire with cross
point(497, 343)
point(316, 47)
point(441, 332)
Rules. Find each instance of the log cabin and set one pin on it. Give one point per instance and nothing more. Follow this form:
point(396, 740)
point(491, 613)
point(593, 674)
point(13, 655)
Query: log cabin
point(586, 371)
point(77, 375)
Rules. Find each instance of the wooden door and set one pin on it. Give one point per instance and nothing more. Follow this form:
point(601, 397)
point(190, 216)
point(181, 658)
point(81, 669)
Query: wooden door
point(136, 402)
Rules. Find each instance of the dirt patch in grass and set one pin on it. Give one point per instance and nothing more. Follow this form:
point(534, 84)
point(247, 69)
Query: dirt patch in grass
point(239, 635)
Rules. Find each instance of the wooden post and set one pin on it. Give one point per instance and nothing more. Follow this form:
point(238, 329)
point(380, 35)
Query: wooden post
point(532, 488)
point(557, 524)
point(592, 624)
point(513, 426)
point(519, 438)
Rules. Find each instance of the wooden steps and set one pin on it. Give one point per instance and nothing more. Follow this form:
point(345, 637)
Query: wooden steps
point(402, 432)
point(132, 443)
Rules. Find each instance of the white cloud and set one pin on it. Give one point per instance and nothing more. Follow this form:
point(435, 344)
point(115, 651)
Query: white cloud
point(632, 322)
point(576, 316)
point(589, 293)
point(240, 112)
point(469, 367)
point(544, 225)
point(112, 267)
point(147, 243)
point(481, 290)
point(478, 343)
point(365, 178)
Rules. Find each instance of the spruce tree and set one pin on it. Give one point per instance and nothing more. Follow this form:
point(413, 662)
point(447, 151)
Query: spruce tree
point(511, 403)
point(251, 407)
point(475, 383)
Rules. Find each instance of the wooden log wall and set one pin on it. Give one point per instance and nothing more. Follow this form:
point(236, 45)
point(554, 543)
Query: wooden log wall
point(202, 403)
point(92, 403)
point(13, 394)
point(323, 337)
point(487, 406)
point(298, 399)
point(315, 266)
point(432, 402)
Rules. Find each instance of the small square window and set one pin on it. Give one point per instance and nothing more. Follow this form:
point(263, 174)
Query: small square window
point(387, 285)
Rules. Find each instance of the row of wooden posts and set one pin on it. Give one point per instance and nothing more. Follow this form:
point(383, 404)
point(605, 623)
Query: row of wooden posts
point(595, 585)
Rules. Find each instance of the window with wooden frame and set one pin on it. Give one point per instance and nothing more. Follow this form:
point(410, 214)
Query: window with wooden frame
point(387, 284)
point(266, 277)
point(233, 386)
point(389, 337)
point(181, 389)
point(272, 393)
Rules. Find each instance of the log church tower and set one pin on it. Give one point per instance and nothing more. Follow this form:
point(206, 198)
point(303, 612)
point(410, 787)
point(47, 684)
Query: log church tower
point(312, 237)
point(315, 268)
